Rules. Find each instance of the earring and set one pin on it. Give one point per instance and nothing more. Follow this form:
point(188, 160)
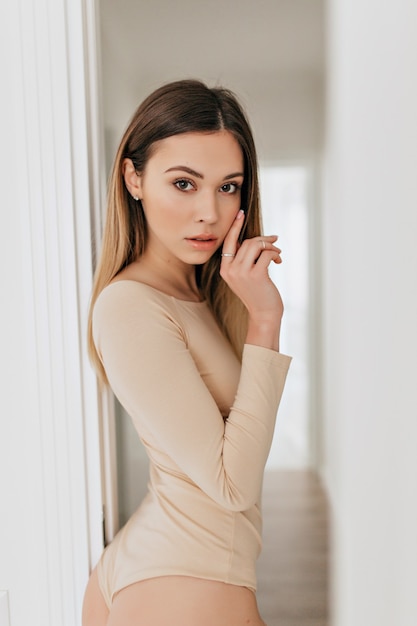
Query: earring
point(135, 198)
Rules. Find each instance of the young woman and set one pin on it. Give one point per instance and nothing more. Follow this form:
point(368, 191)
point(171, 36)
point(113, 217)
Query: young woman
point(185, 326)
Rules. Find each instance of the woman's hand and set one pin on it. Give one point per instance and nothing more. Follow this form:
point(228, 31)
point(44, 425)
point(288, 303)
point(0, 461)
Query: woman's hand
point(244, 268)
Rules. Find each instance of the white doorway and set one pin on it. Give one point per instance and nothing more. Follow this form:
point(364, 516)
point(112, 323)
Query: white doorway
point(286, 209)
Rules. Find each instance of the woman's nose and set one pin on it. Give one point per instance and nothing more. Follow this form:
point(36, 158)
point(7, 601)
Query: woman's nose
point(206, 209)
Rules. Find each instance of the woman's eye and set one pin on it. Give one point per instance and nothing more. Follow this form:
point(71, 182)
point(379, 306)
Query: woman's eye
point(183, 184)
point(229, 188)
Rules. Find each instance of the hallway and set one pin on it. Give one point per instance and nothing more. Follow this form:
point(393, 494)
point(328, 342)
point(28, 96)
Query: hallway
point(292, 569)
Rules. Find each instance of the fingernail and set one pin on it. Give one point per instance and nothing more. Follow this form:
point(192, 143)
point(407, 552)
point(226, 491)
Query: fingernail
point(240, 214)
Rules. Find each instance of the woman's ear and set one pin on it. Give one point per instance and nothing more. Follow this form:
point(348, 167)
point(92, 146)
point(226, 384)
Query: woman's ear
point(133, 180)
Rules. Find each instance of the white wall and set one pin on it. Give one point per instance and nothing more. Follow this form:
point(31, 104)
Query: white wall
point(50, 503)
point(370, 310)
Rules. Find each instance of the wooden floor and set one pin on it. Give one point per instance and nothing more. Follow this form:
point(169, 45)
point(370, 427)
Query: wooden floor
point(293, 567)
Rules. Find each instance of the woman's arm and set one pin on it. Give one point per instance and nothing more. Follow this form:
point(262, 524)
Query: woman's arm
point(153, 374)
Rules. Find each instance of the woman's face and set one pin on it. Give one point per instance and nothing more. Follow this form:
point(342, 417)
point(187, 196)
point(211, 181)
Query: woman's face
point(190, 192)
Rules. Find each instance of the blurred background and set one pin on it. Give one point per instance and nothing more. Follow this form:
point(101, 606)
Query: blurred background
point(331, 91)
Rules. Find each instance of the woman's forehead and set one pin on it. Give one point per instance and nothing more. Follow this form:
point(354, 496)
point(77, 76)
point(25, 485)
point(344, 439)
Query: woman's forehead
point(199, 151)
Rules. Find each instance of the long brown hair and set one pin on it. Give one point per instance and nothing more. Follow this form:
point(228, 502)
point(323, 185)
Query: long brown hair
point(180, 107)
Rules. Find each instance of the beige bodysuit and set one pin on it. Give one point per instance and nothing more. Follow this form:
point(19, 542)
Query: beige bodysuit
point(206, 422)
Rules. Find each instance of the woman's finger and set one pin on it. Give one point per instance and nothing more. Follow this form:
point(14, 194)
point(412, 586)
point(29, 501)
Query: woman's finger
point(230, 243)
point(252, 249)
point(265, 258)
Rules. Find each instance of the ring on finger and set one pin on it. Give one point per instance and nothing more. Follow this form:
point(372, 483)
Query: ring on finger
point(228, 254)
point(263, 243)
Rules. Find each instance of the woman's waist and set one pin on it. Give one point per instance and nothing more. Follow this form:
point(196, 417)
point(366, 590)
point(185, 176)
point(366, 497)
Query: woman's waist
point(177, 513)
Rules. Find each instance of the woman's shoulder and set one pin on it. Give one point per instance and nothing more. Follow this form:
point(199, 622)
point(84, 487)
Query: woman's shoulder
point(132, 287)
point(124, 295)
point(129, 309)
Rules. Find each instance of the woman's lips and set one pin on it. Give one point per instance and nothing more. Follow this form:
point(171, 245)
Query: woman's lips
point(203, 242)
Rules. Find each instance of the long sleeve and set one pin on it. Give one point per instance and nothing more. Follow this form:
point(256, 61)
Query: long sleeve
point(143, 346)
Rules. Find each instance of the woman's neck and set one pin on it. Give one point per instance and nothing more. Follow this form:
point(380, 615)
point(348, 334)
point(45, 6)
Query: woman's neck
point(171, 279)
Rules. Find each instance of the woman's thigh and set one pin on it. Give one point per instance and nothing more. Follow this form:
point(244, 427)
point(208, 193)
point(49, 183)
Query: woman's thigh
point(184, 601)
point(95, 611)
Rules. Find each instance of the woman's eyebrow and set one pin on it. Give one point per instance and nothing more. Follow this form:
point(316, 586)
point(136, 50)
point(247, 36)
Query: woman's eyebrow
point(234, 175)
point(184, 168)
